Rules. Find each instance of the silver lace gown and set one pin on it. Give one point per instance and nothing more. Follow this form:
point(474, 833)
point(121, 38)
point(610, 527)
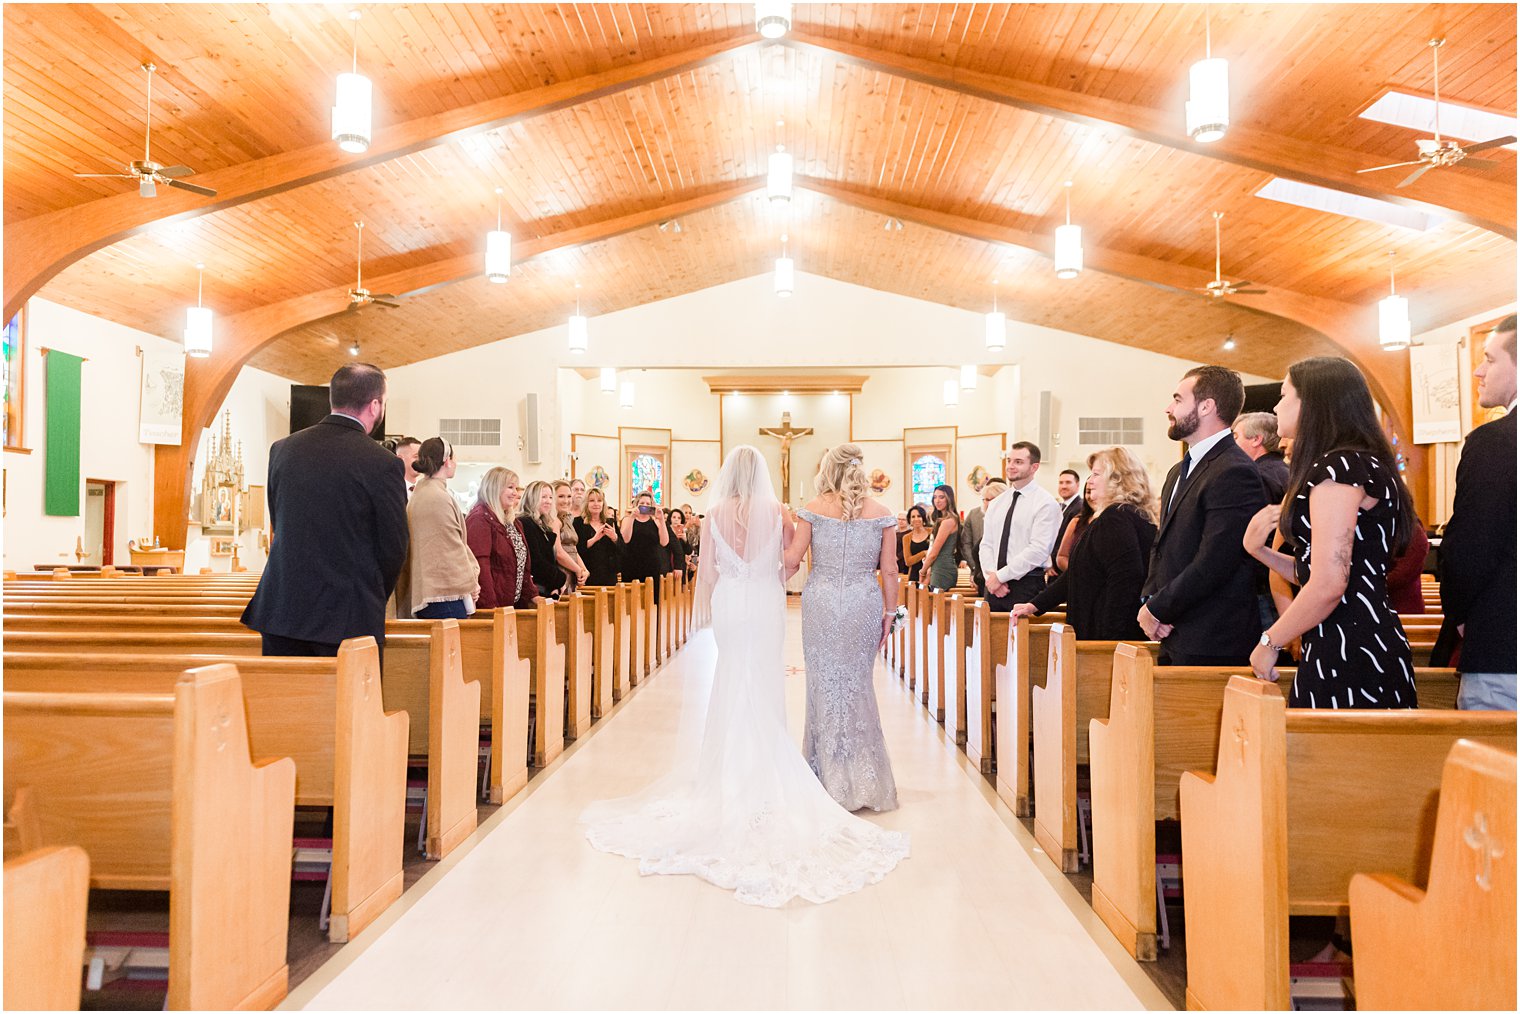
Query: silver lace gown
point(841, 627)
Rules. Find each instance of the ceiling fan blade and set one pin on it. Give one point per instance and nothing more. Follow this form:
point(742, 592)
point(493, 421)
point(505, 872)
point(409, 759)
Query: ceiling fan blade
point(105, 176)
point(383, 295)
point(1391, 165)
point(1250, 292)
point(203, 191)
point(1479, 163)
point(1236, 285)
point(387, 305)
point(176, 170)
point(1417, 174)
point(1497, 142)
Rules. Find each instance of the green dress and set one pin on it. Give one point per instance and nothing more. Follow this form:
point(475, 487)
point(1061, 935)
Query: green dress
point(942, 575)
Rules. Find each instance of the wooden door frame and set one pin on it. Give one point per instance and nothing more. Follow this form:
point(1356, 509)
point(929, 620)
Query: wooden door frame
point(107, 520)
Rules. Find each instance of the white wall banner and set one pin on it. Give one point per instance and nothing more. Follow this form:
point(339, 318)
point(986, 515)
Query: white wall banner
point(1435, 385)
point(163, 397)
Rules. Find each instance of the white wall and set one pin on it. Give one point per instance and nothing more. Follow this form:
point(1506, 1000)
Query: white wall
point(108, 438)
point(665, 347)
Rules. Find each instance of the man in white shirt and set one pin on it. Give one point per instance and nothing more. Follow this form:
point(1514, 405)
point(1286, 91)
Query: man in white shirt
point(1018, 533)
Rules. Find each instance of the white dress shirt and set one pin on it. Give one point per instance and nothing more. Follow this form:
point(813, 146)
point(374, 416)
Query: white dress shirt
point(1195, 454)
point(1031, 537)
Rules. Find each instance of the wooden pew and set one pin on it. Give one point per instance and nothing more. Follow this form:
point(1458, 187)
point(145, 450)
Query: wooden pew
point(1300, 801)
point(911, 636)
point(576, 643)
point(986, 649)
point(160, 791)
point(1451, 946)
point(412, 681)
point(538, 642)
point(932, 684)
point(623, 640)
point(1162, 721)
point(952, 668)
point(46, 894)
point(325, 714)
point(1076, 690)
point(1015, 679)
point(597, 617)
point(649, 621)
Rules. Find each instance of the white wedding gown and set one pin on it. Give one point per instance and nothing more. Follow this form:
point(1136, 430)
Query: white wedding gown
point(752, 818)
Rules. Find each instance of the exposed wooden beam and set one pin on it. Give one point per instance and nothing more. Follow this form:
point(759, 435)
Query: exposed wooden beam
point(1350, 328)
point(241, 335)
point(38, 248)
point(1450, 192)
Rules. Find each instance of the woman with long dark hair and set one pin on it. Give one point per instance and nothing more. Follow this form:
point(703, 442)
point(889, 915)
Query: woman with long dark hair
point(1349, 515)
point(915, 542)
point(945, 522)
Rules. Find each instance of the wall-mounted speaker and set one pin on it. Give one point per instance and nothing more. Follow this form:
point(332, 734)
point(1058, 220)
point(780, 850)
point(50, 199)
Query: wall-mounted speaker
point(532, 442)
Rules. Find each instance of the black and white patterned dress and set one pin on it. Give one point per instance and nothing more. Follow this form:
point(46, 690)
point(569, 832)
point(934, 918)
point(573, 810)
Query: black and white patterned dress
point(1358, 657)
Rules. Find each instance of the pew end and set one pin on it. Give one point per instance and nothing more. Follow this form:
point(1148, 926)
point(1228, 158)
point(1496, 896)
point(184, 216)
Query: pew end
point(453, 743)
point(47, 892)
point(1453, 945)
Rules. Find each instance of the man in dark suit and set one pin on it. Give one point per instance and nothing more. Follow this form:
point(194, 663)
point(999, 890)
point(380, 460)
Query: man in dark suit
point(1478, 545)
point(1200, 594)
point(337, 505)
point(1256, 433)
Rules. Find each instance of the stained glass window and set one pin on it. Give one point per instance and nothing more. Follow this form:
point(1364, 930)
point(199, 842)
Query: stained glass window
point(928, 472)
point(647, 474)
point(14, 362)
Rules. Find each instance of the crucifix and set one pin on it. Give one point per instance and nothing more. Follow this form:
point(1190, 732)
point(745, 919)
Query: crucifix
point(786, 433)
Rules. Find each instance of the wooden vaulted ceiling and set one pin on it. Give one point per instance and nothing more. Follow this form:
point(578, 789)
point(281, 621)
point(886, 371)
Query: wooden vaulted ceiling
point(963, 121)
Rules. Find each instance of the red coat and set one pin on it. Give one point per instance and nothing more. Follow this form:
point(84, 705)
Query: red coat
point(504, 580)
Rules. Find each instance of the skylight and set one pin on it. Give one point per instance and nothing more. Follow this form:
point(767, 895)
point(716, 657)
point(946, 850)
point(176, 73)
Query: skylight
point(1307, 195)
point(1463, 123)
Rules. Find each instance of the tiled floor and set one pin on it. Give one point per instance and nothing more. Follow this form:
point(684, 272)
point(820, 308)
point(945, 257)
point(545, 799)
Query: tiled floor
point(528, 915)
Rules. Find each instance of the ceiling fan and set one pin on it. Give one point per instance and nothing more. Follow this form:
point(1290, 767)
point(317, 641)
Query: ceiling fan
point(147, 172)
point(359, 296)
point(1434, 153)
point(1219, 288)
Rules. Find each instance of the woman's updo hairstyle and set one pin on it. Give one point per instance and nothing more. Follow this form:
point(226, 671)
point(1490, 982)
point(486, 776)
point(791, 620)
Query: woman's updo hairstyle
point(431, 456)
point(841, 472)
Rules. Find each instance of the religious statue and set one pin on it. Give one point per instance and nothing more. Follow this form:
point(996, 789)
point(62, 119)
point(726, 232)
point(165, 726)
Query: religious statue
point(786, 433)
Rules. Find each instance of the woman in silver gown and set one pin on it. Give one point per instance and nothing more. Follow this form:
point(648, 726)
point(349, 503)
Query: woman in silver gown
point(845, 619)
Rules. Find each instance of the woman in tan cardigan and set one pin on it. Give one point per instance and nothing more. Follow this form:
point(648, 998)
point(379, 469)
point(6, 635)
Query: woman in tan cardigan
point(445, 576)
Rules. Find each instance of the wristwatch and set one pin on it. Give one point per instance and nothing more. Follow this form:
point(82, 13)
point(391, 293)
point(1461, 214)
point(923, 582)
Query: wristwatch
point(1266, 642)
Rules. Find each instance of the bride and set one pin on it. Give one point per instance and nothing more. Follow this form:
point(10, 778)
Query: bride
point(754, 818)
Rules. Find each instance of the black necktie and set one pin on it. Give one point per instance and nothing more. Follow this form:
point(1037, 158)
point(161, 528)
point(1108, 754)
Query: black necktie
point(1187, 461)
point(1002, 560)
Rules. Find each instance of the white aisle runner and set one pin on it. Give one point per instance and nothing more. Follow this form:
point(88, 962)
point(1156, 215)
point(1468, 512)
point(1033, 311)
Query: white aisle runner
point(530, 916)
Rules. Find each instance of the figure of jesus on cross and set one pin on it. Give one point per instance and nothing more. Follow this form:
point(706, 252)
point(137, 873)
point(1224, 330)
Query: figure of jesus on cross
point(786, 433)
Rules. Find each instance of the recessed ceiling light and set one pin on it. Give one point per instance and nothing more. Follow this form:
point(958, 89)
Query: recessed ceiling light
point(1465, 123)
point(1229, 344)
point(1368, 209)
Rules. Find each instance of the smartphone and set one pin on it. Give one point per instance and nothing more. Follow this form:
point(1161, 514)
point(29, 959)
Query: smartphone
point(645, 509)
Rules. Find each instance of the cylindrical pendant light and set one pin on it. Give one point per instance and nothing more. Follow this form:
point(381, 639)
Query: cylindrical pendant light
point(198, 321)
point(997, 325)
point(351, 113)
point(778, 177)
point(968, 378)
point(1208, 104)
point(609, 380)
point(580, 338)
point(1068, 244)
point(625, 399)
point(785, 272)
point(1393, 317)
point(498, 249)
point(773, 18)
point(952, 393)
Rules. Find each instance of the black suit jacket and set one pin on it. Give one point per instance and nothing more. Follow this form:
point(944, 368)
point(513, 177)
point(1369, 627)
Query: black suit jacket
point(337, 505)
point(1201, 580)
point(1478, 552)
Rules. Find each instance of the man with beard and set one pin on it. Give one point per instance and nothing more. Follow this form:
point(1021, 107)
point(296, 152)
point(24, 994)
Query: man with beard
point(1199, 598)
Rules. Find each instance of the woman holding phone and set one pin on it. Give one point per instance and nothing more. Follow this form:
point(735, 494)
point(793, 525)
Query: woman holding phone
point(645, 541)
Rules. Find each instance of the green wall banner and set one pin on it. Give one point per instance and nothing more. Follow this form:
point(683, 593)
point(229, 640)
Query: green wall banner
point(60, 469)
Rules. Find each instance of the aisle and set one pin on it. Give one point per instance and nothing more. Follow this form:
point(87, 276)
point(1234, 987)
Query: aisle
point(528, 915)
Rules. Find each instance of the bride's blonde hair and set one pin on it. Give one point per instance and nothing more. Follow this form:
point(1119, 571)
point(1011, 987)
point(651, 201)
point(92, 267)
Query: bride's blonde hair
point(841, 472)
